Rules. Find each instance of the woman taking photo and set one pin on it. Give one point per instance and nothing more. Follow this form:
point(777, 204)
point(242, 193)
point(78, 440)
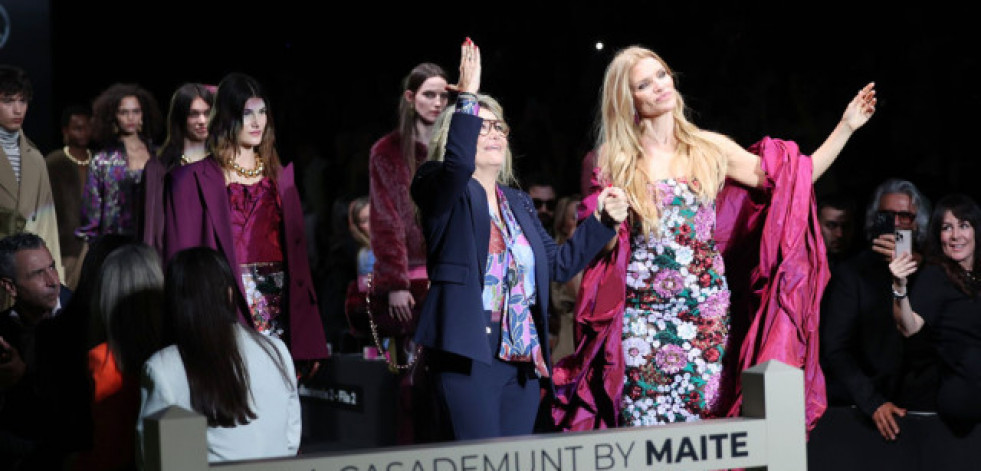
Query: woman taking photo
point(240, 200)
point(484, 324)
point(241, 381)
point(944, 302)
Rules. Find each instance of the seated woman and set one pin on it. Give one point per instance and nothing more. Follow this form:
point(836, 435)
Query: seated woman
point(125, 331)
point(484, 322)
point(243, 382)
point(945, 299)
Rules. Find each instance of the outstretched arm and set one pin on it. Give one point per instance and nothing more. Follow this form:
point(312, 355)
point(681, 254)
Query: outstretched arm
point(856, 114)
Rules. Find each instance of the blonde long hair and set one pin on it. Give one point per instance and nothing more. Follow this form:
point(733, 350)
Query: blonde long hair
point(441, 129)
point(620, 148)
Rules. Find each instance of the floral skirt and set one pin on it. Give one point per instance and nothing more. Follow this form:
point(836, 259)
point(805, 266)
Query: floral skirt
point(264, 285)
point(673, 350)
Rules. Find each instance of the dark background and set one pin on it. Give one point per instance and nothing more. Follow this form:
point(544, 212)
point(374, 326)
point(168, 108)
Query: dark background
point(748, 71)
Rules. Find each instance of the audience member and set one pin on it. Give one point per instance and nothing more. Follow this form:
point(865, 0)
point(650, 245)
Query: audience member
point(126, 329)
point(944, 302)
point(26, 201)
point(125, 121)
point(29, 277)
point(62, 350)
point(241, 381)
point(68, 169)
point(866, 362)
point(542, 195)
point(187, 130)
point(836, 215)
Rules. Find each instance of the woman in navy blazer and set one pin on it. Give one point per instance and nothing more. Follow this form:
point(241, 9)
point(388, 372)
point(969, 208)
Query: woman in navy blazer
point(484, 322)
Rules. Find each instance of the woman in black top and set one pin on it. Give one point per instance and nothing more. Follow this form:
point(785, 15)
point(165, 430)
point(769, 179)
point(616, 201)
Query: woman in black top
point(945, 300)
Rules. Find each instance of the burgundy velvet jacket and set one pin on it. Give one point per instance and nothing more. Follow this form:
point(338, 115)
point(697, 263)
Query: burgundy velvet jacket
point(776, 295)
point(396, 238)
point(196, 213)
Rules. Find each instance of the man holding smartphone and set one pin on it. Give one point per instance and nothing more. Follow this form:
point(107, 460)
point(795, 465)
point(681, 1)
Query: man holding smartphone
point(867, 362)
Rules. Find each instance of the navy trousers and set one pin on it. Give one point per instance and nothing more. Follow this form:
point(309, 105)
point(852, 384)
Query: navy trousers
point(486, 401)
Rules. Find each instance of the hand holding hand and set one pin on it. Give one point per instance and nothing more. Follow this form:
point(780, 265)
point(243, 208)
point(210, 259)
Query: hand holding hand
point(400, 304)
point(901, 268)
point(861, 108)
point(613, 204)
point(469, 69)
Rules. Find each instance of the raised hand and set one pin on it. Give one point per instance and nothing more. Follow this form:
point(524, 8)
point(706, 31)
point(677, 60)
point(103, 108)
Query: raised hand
point(469, 69)
point(902, 267)
point(861, 108)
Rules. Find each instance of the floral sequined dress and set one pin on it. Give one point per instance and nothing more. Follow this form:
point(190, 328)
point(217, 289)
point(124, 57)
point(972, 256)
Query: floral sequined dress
point(676, 318)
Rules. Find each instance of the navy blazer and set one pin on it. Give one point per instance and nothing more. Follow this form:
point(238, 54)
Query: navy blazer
point(456, 225)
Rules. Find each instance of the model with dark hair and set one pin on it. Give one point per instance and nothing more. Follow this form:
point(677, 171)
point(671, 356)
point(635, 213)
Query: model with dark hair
point(241, 381)
point(187, 132)
point(241, 200)
point(68, 169)
point(26, 201)
point(125, 121)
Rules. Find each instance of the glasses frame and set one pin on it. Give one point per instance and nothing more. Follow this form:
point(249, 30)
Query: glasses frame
point(496, 124)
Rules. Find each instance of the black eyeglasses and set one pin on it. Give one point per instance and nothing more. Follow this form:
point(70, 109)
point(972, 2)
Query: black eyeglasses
point(548, 204)
point(496, 124)
point(904, 217)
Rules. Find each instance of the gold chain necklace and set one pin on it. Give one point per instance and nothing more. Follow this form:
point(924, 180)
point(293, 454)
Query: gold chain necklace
point(71, 157)
point(249, 173)
point(185, 160)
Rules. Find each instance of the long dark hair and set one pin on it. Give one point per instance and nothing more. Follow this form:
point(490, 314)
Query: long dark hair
point(180, 106)
point(227, 118)
point(104, 107)
point(201, 319)
point(963, 207)
point(407, 112)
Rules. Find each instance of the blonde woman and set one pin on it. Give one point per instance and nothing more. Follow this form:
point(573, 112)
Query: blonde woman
point(656, 305)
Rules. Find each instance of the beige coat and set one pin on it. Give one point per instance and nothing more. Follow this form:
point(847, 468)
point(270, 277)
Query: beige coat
point(31, 198)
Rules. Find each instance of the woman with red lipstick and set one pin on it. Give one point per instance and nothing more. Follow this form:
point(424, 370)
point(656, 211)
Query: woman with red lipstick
point(944, 300)
point(125, 121)
point(242, 201)
point(653, 311)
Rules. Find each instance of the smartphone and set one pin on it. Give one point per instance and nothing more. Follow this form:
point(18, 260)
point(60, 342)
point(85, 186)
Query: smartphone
point(884, 223)
point(904, 241)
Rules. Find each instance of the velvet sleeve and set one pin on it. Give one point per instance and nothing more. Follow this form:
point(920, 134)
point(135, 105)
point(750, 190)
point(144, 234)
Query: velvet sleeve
point(387, 186)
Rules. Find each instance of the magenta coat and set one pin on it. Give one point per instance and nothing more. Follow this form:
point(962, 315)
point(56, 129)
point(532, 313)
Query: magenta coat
point(196, 213)
point(776, 295)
